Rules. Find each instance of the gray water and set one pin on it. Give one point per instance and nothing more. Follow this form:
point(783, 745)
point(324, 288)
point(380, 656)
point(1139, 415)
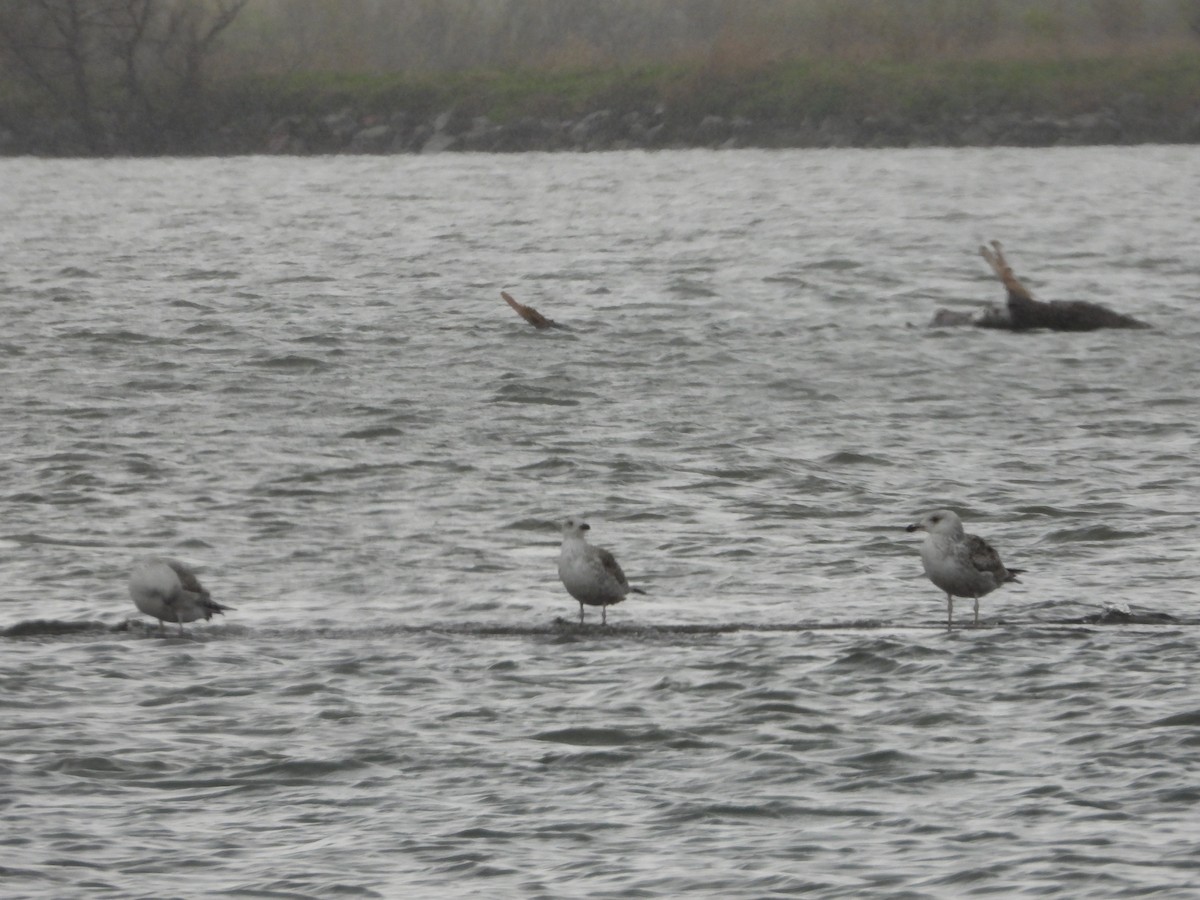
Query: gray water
point(298, 375)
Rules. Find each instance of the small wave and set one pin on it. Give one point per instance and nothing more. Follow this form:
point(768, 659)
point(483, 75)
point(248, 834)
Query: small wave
point(835, 264)
point(1185, 720)
point(304, 279)
point(594, 736)
point(879, 760)
point(1089, 534)
point(292, 362)
point(785, 278)
point(716, 811)
point(549, 465)
point(599, 737)
point(33, 537)
point(207, 275)
point(285, 485)
point(324, 340)
point(87, 765)
point(518, 393)
point(379, 431)
point(55, 627)
point(1150, 263)
point(1051, 512)
point(298, 772)
point(156, 385)
point(862, 659)
point(684, 287)
point(120, 336)
point(534, 524)
point(849, 457)
point(27, 497)
point(476, 833)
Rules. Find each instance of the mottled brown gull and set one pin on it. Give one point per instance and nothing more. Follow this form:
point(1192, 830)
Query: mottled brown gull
point(170, 592)
point(961, 564)
point(590, 574)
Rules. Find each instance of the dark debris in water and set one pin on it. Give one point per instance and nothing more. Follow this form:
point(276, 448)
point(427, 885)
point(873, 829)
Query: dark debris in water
point(1116, 616)
point(52, 627)
point(569, 630)
point(34, 628)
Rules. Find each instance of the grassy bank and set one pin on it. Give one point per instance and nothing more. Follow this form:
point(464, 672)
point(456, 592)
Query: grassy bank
point(796, 103)
point(779, 93)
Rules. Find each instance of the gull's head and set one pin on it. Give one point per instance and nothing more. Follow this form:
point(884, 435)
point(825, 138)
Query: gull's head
point(940, 522)
point(575, 527)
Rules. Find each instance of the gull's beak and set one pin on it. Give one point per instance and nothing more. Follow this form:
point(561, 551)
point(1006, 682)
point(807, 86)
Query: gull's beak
point(915, 526)
point(585, 527)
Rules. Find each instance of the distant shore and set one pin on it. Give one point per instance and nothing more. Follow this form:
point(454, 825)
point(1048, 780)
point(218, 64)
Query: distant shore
point(780, 105)
point(608, 129)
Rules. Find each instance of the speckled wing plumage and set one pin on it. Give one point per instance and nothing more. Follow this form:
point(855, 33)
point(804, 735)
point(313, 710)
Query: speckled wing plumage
point(960, 564)
point(187, 579)
point(590, 574)
point(984, 558)
point(193, 593)
point(612, 567)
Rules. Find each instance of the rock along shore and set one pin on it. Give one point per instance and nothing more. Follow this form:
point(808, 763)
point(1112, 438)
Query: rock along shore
point(346, 131)
point(606, 129)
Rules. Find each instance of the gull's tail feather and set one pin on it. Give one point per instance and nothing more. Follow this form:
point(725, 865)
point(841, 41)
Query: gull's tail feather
point(636, 590)
point(212, 606)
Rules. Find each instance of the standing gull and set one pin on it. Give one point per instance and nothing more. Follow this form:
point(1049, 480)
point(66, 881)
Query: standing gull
point(962, 565)
point(590, 574)
point(170, 591)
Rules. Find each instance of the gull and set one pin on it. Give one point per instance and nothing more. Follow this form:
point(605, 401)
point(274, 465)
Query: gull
point(590, 574)
point(168, 590)
point(961, 564)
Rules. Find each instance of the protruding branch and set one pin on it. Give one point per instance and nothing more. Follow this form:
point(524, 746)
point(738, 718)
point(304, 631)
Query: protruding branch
point(1022, 312)
point(528, 313)
point(995, 259)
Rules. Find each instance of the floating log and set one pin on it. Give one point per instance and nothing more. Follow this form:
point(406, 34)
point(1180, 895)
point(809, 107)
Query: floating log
point(1023, 313)
point(1117, 616)
point(528, 313)
point(1061, 315)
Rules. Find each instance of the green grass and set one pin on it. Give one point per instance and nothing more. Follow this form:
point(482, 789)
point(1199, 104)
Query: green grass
point(1163, 88)
point(783, 92)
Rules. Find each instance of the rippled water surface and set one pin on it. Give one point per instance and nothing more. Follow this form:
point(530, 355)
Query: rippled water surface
point(298, 375)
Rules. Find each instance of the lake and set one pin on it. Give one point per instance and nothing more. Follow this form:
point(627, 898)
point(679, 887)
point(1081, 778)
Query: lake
point(298, 375)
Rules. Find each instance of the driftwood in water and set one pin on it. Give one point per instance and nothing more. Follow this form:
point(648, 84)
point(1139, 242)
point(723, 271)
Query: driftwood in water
point(1123, 615)
point(528, 313)
point(1070, 315)
point(1022, 312)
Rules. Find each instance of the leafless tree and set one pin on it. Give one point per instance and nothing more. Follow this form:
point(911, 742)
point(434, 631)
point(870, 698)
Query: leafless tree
point(1190, 11)
point(47, 44)
point(133, 68)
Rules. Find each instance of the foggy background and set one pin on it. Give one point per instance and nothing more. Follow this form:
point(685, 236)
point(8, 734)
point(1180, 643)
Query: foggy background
point(148, 76)
point(430, 35)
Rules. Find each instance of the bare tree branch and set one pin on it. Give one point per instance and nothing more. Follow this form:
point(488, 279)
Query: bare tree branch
point(136, 66)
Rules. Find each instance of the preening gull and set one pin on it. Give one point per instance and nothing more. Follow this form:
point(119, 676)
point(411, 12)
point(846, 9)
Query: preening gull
point(170, 591)
point(961, 564)
point(590, 574)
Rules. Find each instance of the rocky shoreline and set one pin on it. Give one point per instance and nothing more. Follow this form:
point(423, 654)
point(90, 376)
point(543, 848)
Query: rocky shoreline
point(346, 131)
point(607, 129)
